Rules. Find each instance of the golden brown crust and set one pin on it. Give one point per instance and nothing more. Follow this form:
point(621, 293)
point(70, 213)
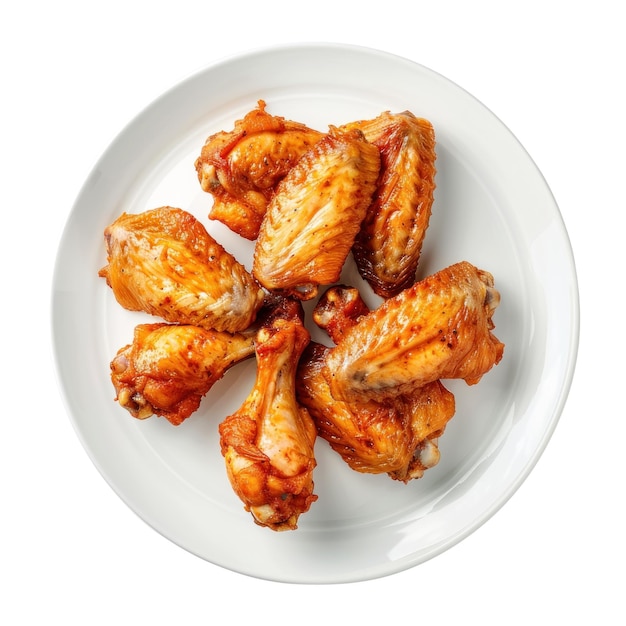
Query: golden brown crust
point(388, 246)
point(241, 168)
point(165, 263)
point(397, 437)
point(268, 442)
point(168, 368)
point(438, 328)
point(315, 214)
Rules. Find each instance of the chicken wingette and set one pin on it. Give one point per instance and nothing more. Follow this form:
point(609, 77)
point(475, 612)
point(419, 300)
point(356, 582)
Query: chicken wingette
point(169, 368)
point(241, 167)
point(397, 436)
point(315, 214)
point(268, 442)
point(165, 263)
point(437, 329)
point(388, 246)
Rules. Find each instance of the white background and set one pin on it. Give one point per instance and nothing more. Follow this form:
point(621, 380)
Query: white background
point(73, 75)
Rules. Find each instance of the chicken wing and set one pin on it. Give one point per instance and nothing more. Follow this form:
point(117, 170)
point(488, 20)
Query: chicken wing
point(268, 443)
point(169, 368)
point(397, 437)
point(438, 328)
point(165, 263)
point(315, 214)
point(388, 246)
point(240, 168)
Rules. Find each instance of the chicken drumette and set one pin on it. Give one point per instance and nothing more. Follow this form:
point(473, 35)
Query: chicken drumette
point(169, 368)
point(268, 443)
point(240, 168)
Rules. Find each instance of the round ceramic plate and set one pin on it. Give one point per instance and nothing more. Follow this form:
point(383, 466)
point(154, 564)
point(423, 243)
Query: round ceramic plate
point(492, 208)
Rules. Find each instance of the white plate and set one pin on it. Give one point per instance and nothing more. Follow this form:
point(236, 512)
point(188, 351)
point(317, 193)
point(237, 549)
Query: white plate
point(492, 208)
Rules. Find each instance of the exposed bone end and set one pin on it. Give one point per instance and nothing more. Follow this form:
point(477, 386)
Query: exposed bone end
point(135, 403)
point(338, 309)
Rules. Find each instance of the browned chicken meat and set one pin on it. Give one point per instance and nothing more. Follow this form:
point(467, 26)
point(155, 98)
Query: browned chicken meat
point(268, 443)
point(315, 214)
point(168, 368)
point(388, 246)
point(439, 328)
point(397, 436)
point(165, 263)
point(240, 168)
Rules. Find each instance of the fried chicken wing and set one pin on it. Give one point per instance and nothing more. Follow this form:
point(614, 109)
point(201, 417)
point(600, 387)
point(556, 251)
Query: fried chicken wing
point(240, 168)
point(168, 368)
point(397, 437)
point(439, 328)
point(315, 214)
point(165, 263)
point(268, 443)
point(388, 246)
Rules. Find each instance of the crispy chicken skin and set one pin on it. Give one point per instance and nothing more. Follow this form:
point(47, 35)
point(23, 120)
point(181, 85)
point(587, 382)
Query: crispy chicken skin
point(165, 263)
point(169, 368)
point(240, 168)
point(397, 437)
point(268, 443)
point(439, 328)
point(388, 246)
point(315, 214)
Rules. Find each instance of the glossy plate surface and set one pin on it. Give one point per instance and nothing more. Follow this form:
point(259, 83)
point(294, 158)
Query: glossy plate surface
point(492, 208)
